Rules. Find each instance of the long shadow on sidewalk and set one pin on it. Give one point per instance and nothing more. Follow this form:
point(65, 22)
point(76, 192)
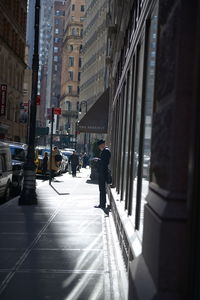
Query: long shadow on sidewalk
point(57, 190)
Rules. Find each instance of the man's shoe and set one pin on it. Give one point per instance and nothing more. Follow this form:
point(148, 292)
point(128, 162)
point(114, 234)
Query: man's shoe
point(100, 206)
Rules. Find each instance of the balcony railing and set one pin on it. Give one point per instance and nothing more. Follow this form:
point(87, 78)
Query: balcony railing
point(72, 94)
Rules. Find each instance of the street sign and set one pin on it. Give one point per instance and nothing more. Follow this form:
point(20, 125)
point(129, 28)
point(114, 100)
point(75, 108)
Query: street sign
point(57, 111)
point(3, 98)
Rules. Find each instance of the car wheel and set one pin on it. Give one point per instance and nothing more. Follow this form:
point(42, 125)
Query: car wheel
point(7, 193)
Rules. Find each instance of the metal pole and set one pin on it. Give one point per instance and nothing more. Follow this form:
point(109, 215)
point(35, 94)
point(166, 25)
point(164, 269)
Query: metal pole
point(85, 132)
point(51, 144)
point(28, 195)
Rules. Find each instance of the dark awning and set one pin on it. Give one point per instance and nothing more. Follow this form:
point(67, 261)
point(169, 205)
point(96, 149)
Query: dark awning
point(96, 119)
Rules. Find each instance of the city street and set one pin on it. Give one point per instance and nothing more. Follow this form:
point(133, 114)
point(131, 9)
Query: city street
point(63, 248)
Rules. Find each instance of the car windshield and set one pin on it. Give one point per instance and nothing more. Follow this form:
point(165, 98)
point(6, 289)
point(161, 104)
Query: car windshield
point(17, 153)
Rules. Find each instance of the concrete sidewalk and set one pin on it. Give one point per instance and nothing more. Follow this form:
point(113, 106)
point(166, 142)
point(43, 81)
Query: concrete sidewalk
point(63, 248)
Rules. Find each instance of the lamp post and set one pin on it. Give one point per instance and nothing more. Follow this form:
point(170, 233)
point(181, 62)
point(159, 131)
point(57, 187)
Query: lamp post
point(84, 103)
point(28, 195)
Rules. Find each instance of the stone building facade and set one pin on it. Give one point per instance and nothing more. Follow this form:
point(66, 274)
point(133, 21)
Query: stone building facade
point(71, 66)
point(94, 69)
point(12, 65)
point(154, 133)
point(58, 32)
point(94, 52)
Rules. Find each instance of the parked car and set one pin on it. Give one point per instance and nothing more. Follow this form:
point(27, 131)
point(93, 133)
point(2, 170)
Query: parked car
point(64, 163)
point(69, 150)
point(18, 155)
point(5, 172)
point(68, 153)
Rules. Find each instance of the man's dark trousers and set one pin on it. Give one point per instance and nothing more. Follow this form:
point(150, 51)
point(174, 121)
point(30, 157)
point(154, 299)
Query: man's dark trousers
point(102, 189)
point(74, 169)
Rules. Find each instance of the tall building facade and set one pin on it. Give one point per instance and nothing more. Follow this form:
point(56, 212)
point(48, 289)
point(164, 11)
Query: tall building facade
point(154, 131)
point(93, 71)
point(94, 80)
point(58, 31)
point(71, 66)
point(12, 64)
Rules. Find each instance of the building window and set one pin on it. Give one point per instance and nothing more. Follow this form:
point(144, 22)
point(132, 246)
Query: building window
point(55, 58)
point(57, 21)
point(55, 49)
point(81, 47)
point(80, 62)
point(68, 105)
point(56, 40)
point(56, 68)
point(77, 106)
point(81, 32)
point(82, 19)
point(73, 31)
point(79, 76)
point(82, 8)
point(78, 90)
point(147, 124)
point(132, 121)
point(57, 13)
point(71, 75)
point(56, 31)
point(69, 89)
point(71, 48)
point(71, 61)
point(73, 7)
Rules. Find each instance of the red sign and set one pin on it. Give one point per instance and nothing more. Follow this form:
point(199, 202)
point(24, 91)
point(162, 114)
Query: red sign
point(57, 111)
point(38, 100)
point(3, 97)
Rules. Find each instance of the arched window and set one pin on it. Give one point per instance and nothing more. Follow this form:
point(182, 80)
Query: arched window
point(73, 31)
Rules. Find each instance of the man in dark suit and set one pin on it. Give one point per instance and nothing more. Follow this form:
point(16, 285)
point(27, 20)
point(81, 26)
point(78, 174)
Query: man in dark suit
point(103, 171)
point(74, 160)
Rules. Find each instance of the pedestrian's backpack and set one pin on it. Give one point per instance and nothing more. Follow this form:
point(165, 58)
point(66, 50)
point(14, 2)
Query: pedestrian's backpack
point(58, 157)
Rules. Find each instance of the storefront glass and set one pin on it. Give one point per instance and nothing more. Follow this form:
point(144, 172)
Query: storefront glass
point(149, 95)
point(139, 87)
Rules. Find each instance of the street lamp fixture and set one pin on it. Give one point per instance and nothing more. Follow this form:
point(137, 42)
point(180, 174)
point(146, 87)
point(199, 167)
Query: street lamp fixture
point(28, 195)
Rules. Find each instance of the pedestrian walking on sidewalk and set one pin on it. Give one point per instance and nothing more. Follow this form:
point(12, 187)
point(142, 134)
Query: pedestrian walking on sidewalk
point(74, 160)
point(55, 164)
point(85, 160)
point(45, 164)
point(103, 171)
